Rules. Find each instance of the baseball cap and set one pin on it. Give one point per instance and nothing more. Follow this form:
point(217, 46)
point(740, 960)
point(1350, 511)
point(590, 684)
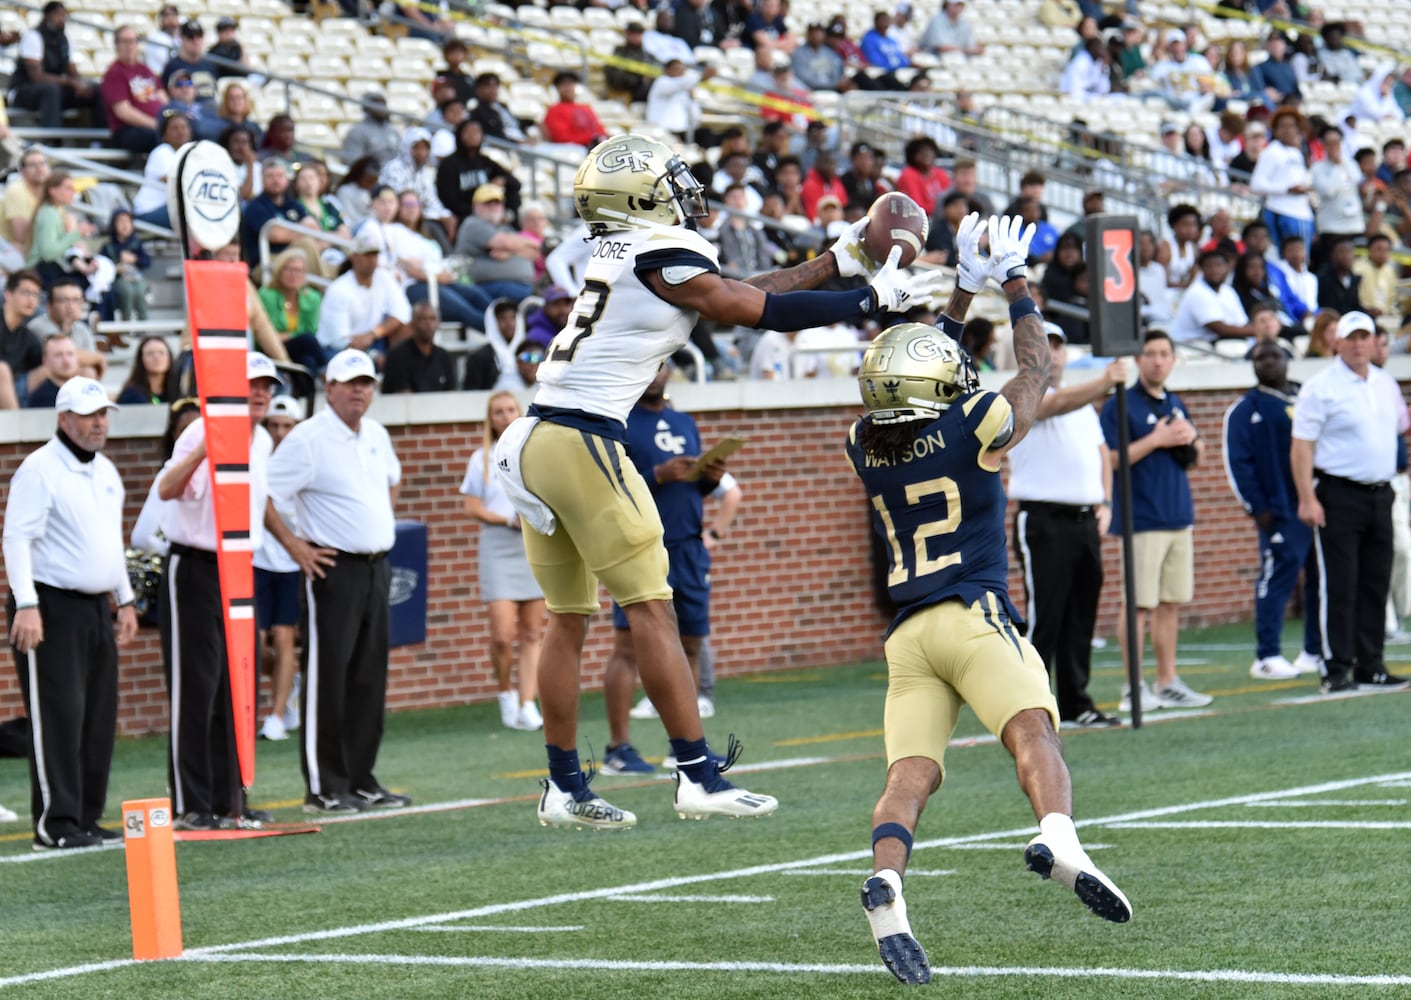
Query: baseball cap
point(86, 397)
point(828, 199)
point(635, 28)
point(192, 29)
point(1175, 35)
point(1351, 323)
point(349, 366)
point(488, 192)
point(286, 406)
point(1054, 330)
point(1169, 128)
point(224, 23)
point(553, 293)
point(365, 243)
point(258, 366)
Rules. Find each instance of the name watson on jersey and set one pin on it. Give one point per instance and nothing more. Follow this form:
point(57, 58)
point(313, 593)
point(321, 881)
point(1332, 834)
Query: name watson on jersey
point(920, 448)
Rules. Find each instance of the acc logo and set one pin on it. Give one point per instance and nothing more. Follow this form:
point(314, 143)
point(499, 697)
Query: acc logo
point(210, 195)
point(636, 160)
point(160, 817)
point(403, 585)
point(926, 349)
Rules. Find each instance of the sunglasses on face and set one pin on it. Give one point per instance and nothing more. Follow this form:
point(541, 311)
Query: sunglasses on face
point(531, 357)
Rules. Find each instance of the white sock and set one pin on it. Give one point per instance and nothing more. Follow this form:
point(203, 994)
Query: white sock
point(889, 920)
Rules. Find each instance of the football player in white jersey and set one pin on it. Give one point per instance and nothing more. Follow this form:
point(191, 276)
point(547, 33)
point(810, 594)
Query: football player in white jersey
point(587, 512)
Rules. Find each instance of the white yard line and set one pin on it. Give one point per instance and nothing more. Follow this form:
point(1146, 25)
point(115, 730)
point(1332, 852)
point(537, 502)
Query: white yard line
point(1270, 825)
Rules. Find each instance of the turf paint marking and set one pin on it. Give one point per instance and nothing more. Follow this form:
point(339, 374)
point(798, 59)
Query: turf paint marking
point(226, 952)
point(641, 898)
point(497, 929)
point(1314, 803)
point(866, 872)
point(1215, 824)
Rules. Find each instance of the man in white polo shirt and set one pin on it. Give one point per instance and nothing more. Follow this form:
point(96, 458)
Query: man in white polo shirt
point(339, 473)
point(203, 769)
point(365, 307)
point(1345, 424)
point(1210, 308)
point(64, 558)
point(1059, 476)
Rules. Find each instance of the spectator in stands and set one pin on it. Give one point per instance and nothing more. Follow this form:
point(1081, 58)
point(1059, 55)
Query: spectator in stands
point(292, 306)
point(20, 350)
point(492, 114)
point(468, 169)
point(671, 99)
point(663, 43)
point(1374, 103)
point(1045, 241)
point(199, 111)
point(45, 79)
point(228, 47)
point(132, 96)
point(1234, 76)
point(151, 379)
point(1281, 177)
point(788, 185)
point(836, 34)
point(1376, 290)
point(543, 324)
point(150, 202)
point(60, 364)
point(863, 183)
point(636, 85)
point(130, 262)
point(737, 168)
point(1337, 180)
point(267, 342)
point(903, 29)
point(949, 31)
point(162, 44)
point(22, 195)
point(1256, 140)
point(365, 307)
point(1275, 78)
point(765, 29)
point(280, 141)
point(355, 193)
point(1223, 140)
point(1066, 280)
point(534, 225)
point(922, 179)
point(1322, 340)
point(977, 337)
point(248, 173)
point(699, 23)
point(1251, 283)
point(502, 261)
point(450, 113)
point(1210, 308)
point(570, 121)
point(1402, 90)
point(375, 135)
point(1222, 235)
point(773, 145)
point(816, 65)
point(1338, 62)
point(823, 180)
point(1157, 301)
point(1089, 73)
point(412, 170)
point(1031, 186)
point(434, 27)
point(276, 201)
point(235, 112)
point(418, 364)
point(1176, 171)
point(67, 308)
point(784, 87)
point(493, 366)
point(881, 51)
point(744, 250)
point(1300, 285)
point(1184, 77)
point(191, 56)
point(940, 239)
point(55, 246)
point(455, 53)
point(965, 178)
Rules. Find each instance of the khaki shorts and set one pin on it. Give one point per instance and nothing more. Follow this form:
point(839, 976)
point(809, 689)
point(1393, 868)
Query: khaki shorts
point(949, 655)
point(608, 526)
point(1164, 565)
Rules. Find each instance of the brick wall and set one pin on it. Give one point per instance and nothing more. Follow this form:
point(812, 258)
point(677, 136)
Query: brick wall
point(792, 583)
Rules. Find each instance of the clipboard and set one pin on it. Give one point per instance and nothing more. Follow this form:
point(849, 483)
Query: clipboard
point(723, 448)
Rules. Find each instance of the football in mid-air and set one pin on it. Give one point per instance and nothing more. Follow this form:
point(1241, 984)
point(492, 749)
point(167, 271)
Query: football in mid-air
point(896, 220)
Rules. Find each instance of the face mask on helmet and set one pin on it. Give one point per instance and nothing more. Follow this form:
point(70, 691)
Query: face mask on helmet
point(914, 372)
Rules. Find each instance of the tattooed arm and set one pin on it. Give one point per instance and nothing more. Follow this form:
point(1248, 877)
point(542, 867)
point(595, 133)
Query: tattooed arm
point(1031, 351)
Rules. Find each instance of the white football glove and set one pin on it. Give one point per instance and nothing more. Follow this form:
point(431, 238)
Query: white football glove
point(897, 291)
point(853, 261)
point(973, 270)
point(1009, 247)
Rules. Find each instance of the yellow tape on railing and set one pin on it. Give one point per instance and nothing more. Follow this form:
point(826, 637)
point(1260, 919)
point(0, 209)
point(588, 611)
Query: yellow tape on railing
point(1234, 14)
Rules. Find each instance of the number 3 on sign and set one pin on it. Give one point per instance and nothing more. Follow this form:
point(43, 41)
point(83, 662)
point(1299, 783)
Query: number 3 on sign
point(923, 564)
point(1120, 283)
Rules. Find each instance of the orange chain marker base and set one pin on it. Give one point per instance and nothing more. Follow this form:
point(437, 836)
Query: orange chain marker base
point(151, 879)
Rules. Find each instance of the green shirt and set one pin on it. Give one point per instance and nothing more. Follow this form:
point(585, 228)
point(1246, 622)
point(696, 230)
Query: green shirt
point(48, 242)
point(308, 304)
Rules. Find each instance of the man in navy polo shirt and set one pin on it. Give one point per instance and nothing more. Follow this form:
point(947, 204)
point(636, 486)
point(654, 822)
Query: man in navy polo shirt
point(1163, 445)
point(275, 201)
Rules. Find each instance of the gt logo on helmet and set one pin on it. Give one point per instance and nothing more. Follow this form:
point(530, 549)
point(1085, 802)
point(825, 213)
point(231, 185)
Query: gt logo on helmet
point(926, 349)
point(619, 158)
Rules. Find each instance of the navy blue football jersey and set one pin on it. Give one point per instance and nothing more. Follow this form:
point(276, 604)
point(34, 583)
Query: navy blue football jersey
point(940, 511)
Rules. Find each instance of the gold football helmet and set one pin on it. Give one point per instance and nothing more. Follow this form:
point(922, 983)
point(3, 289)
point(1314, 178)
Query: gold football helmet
point(912, 372)
point(631, 182)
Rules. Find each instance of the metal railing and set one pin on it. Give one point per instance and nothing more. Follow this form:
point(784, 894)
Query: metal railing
point(80, 161)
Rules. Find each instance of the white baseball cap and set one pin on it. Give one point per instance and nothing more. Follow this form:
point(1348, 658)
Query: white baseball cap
point(1054, 330)
point(1351, 322)
point(83, 396)
point(348, 366)
point(258, 366)
point(286, 406)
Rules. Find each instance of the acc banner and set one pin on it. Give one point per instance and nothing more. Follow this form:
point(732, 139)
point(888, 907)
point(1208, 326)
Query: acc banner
point(215, 295)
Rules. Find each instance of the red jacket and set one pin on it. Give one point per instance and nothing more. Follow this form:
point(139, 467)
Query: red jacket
point(813, 190)
point(924, 189)
point(576, 123)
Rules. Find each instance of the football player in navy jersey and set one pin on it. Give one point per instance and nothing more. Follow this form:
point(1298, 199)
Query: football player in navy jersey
point(928, 451)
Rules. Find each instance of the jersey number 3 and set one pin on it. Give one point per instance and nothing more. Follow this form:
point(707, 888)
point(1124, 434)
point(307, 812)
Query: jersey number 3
point(923, 564)
point(583, 324)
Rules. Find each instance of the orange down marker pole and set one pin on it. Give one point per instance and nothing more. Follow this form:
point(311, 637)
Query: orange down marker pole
point(151, 879)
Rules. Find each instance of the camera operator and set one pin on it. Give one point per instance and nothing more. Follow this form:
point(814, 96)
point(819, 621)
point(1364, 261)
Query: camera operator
point(1164, 444)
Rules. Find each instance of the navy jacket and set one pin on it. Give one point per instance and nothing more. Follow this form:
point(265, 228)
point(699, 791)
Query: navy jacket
point(1258, 435)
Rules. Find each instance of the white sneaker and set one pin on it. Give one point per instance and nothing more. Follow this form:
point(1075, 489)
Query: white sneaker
point(694, 802)
point(291, 717)
point(1272, 668)
point(273, 729)
point(706, 706)
point(901, 953)
point(559, 808)
point(1177, 695)
point(1072, 867)
point(529, 717)
point(8, 815)
point(1308, 663)
point(644, 709)
point(509, 709)
point(1149, 700)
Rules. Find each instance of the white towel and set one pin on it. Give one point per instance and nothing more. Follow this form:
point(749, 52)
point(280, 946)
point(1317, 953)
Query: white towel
point(533, 510)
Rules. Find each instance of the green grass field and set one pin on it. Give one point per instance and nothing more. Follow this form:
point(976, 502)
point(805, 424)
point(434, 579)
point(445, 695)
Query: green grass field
point(1261, 843)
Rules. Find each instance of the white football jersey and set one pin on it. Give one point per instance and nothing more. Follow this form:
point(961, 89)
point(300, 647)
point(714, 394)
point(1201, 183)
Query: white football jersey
point(620, 331)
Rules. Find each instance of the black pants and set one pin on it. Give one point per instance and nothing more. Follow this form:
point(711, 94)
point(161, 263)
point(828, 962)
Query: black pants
point(70, 687)
point(1061, 557)
point(345, 674)
point(1354, 552)
point(202, 766)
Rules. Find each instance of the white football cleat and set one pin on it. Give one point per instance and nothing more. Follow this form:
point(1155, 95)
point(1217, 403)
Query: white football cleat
point(694, 802)
point(560, 808)
point(1072, 867)
point(706, 706)
point(529, 717)
point(901, 953)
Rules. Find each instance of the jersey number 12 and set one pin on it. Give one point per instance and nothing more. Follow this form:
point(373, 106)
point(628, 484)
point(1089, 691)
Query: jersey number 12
point(923, 564)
